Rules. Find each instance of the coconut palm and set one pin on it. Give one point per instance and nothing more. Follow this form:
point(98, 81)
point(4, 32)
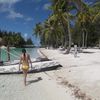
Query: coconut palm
point(95, 11)
point(83, 22)
point(38, 31)
point(52, 31)
point(59, 23)
point(62, 9)
point(62, 16)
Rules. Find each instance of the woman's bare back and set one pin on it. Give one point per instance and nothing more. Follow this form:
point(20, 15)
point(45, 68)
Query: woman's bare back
point(25, 59)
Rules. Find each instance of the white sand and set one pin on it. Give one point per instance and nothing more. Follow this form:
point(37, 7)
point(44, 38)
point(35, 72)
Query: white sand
point(82, 71)
point(40, 87)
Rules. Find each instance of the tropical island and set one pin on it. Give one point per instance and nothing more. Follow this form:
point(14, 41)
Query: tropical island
point(68, 33)
point(14, 39)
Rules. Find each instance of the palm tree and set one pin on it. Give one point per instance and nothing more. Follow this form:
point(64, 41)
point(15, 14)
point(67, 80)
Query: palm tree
point(38, 31)
point(58, 24)
point(83, 21)
point(95, 10)
point(52, 31)
point(62, 18)
point(62, 9)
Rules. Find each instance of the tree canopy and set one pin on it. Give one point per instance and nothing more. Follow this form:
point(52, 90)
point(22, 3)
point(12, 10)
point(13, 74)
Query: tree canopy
point(14, 39)
point(63, 28)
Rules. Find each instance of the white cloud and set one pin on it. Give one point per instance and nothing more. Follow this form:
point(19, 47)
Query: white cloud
point(25, 36)
point(9, 1)
point(29, 19)
point(13, 15)
point(46, 6)
point(7, 6)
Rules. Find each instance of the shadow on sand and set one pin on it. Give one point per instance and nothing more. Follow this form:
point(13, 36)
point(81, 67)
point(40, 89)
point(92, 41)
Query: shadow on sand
point(33, 81)
point(88, 52)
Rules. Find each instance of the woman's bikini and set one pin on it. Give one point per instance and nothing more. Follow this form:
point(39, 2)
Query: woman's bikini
point(25, 65)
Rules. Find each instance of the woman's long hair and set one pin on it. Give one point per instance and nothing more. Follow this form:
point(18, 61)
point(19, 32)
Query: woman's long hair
point(24, 51)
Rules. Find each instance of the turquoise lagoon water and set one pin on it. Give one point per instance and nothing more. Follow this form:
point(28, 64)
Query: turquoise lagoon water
point(15, 53)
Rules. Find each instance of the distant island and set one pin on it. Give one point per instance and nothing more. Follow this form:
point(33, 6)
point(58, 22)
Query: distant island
point(14, 39)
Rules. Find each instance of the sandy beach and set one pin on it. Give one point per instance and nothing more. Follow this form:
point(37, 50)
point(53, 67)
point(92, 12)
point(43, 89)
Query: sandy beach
point(80, 74)
point(50, 50)
point(39, 87)
point(77, 79)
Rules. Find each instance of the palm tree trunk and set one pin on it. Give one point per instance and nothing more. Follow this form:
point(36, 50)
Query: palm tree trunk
point(65, 33)
point(86, 40)
point(83, 40)
point(63, 41)
point(69, 34)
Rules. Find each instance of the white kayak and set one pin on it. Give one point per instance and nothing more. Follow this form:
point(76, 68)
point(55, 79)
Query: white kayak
point(36, 67)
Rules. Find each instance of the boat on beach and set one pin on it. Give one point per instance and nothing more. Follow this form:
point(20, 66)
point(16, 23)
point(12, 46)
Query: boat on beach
point(37, 66)
point(41, 63)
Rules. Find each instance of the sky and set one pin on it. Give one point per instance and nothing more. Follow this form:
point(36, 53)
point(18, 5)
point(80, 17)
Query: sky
point(22, 15)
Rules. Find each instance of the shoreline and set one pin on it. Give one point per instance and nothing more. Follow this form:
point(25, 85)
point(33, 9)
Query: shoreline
point(81, 72)
point(40, 86)
point(73, 81)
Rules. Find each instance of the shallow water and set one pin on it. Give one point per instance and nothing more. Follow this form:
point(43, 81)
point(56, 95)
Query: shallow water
point(15, 53)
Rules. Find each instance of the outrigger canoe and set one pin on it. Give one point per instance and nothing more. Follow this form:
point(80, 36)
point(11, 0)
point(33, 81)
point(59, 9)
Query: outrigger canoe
point(37, 66)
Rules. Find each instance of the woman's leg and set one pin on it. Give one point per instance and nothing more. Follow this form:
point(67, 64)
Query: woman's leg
point(25, 75)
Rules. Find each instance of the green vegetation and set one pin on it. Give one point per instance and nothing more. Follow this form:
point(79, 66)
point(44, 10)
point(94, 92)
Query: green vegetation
point(14, 39)
point(63, 28)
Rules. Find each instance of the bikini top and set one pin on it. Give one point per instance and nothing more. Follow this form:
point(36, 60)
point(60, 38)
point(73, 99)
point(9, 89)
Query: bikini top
point(25, 61)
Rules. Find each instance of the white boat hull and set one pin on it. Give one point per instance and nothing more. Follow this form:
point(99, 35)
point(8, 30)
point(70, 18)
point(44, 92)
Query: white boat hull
point(36, 67)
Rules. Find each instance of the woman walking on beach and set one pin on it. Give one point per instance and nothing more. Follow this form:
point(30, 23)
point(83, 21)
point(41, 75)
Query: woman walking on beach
point(25, 60)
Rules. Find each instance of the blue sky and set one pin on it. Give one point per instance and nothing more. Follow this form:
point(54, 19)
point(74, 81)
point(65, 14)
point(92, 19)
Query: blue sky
point(22, 15)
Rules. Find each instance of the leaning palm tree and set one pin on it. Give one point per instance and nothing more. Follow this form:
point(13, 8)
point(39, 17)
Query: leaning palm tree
point(53, 31)
point(84, 20)
point(61, 18)
point(95, 11)
point(62, 10)
point(38, 31)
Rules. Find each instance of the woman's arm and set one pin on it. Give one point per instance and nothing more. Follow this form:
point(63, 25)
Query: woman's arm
point(30, 60)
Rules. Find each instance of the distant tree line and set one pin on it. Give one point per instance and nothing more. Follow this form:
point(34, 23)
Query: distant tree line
point(14, 39)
